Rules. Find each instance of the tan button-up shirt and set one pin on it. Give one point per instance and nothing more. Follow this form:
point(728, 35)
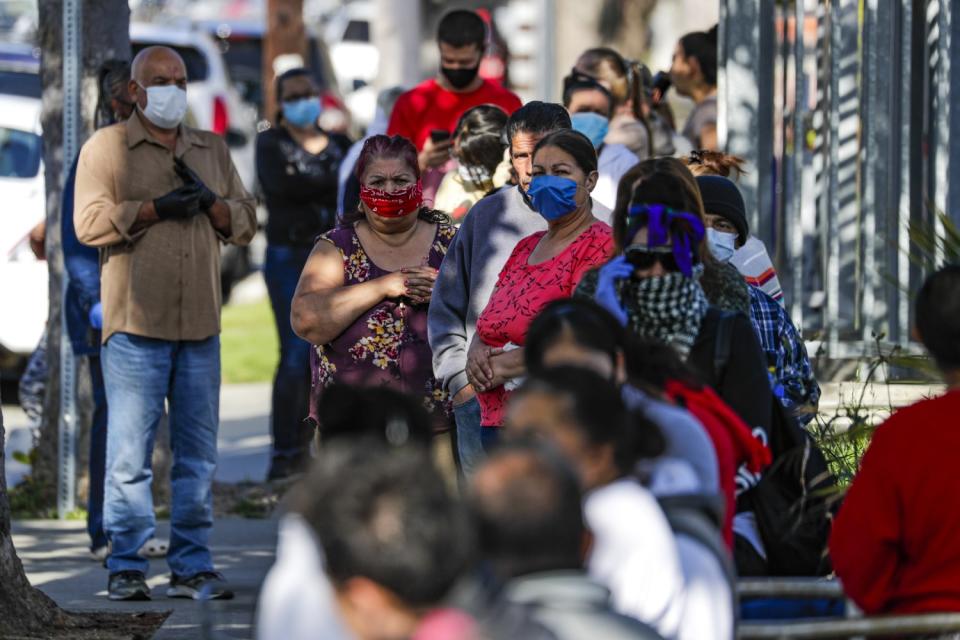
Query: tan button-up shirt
point(162, 281)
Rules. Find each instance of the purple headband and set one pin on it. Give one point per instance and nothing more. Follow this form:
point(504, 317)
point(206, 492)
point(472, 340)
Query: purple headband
point(661, 228)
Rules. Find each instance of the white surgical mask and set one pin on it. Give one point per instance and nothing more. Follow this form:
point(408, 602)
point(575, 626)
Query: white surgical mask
point(166, 105)
point(722, 244)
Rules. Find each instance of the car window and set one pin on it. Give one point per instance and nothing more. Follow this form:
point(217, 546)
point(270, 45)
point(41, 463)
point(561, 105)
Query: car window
point(19, 153)
point(357, 31)
point(195, 61)
point(20, 83)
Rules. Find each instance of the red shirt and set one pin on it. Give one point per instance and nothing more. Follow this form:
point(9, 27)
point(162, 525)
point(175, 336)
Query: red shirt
point(896, 541)
point(429, 106)
point(524, 289)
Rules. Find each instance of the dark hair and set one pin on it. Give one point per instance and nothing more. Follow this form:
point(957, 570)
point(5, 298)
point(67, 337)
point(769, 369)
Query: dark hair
point(480, 132)
point(652, 363)
point(537, 118)
point(532, 519)
point(575, 144)
point(385, 515)
point(706, 162)
point(702, 45)
point(937, 312)
point(579, 81)
point(665, 181)
point(296, 72)
point(112, 80)
point(597, 409)
point(395, 147)
point(584, 320)
point(392, 417)
point(462, 27)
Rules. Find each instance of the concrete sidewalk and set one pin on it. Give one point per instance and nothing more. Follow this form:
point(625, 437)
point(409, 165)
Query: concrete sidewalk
point(54, 555)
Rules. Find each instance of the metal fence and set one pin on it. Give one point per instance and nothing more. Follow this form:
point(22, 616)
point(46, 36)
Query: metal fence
point(844, 109)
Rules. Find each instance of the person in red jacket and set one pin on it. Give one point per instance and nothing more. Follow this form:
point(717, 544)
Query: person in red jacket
point(434, 106)
point(895, 542)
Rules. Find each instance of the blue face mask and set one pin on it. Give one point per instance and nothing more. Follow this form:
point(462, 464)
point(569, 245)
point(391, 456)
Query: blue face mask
point(592, 125)
point(552, 196)
point(302, 113)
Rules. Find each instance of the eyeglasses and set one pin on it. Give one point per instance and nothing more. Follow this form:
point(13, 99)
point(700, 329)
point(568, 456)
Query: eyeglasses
point(645, 257)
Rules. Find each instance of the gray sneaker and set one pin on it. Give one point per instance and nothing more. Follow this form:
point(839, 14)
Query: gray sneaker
point(128, 585)
point(206, 585)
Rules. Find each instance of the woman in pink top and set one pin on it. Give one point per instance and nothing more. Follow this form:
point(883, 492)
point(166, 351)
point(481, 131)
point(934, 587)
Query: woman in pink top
point(543, 267)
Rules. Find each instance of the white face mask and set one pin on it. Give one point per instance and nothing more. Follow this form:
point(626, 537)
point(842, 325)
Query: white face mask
point(166, 105)
point(722, 244)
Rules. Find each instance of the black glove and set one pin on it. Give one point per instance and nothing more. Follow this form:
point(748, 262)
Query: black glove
point(181, 203)
point(207, 197)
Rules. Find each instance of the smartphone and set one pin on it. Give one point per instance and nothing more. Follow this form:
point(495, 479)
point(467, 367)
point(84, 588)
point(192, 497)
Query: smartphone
point(439, 135)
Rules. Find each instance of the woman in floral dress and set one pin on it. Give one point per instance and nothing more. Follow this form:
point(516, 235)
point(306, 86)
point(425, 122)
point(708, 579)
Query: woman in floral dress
point(362, 298)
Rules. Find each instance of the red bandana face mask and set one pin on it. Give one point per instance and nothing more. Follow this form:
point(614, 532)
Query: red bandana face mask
point(392, 205)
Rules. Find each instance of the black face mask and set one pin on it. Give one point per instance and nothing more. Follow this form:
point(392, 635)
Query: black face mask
point(460, 78)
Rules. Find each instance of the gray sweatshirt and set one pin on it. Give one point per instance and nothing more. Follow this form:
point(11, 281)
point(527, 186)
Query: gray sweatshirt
point(469, 273)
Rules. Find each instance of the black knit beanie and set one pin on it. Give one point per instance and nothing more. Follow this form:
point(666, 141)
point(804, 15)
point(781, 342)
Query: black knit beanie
point(722, 197)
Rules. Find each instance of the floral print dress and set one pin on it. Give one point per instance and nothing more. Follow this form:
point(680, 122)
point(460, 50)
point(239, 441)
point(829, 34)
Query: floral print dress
point(387, 345)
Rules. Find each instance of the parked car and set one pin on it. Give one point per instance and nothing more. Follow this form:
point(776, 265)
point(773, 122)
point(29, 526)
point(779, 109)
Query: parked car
point(214, 104)
point(23, 278)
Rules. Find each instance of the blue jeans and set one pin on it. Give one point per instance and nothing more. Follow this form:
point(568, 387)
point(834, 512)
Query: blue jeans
point(98, 456)
point(140, 374)
point(291, 384)
point(469, 447)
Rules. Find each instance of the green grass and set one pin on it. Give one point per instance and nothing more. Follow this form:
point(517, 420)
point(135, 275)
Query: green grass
point(249, 345)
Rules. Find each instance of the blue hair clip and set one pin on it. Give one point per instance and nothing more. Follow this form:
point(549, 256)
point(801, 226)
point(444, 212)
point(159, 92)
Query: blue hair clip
point(661, 229)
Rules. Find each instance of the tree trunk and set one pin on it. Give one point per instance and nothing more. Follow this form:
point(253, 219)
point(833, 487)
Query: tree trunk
point(285, 35)
point(105, 35)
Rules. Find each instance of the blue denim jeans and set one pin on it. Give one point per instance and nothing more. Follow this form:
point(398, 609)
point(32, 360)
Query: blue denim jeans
point(98, 456)
point(291, 384)
point(139, 375)
point(469, 447)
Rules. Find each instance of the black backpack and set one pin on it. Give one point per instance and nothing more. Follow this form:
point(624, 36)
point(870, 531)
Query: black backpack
point(796, 498)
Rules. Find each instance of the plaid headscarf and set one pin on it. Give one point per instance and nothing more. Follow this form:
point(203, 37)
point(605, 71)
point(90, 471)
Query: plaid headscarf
point(669, 308)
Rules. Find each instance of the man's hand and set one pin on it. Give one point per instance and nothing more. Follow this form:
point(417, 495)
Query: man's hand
point(434, 154)
point(181, 203)
point(207, 197)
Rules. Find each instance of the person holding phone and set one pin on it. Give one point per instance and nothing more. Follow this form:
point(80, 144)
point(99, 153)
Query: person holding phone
point(427, 114)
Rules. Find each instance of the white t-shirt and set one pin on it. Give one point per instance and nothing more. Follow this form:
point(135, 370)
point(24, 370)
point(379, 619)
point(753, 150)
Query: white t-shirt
point(297, 600)
point(635, 555)
point(614, 161)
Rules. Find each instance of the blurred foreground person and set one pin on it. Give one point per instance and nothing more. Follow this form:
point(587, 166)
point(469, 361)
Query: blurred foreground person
point(694, 74)
point(157, 198)
point(363, 295)
point(478, 146)
point(532, 535)
point(297, 165)
point(427, 114)
point(894, 543)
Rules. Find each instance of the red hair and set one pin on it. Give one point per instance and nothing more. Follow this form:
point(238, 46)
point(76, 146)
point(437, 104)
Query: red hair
point(387, 147)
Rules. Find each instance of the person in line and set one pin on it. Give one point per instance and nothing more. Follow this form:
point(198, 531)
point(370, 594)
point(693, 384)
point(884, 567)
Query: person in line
point(579, 332)
point(634, 124)
point(348, 188)
point(428, 113)
point(527, 506)
point(590, 106)
point(157, 198)
point(363, 295)
point(393, 541)
point(84, 312)
point(694, 74)
point(297, 164)
point(544, 266)
point(786, 354)
point(894, 541)
point(652, 287)
point(752, 259)
point(468, 274)
point(478, 146)
point(634, 552)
